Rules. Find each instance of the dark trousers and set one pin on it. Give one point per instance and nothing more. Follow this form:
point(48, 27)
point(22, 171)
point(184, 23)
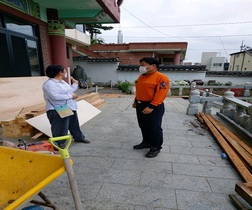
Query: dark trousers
point(61, 126)
point(151, 124)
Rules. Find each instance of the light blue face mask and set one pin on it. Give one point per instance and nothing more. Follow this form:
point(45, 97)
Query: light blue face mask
point(142, 69)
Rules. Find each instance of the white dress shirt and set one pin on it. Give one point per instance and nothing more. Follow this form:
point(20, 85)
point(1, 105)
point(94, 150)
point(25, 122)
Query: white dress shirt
point(59, 93)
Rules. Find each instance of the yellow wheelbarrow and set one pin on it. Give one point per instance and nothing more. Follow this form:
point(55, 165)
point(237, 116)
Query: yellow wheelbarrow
point(24, 174)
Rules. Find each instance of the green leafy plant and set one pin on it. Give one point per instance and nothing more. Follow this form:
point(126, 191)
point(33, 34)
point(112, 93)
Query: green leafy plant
point(217, 84)
point(229, 83)
point(125, 86)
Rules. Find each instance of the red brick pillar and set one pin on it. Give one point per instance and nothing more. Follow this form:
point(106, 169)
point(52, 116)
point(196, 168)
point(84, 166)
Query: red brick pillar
point(56, 29)
point(176, 60)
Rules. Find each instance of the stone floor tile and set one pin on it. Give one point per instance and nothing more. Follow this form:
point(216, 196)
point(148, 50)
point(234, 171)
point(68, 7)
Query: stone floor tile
point(190, 200)
point(195, 151)
point(107, 205)
point(182, 143)
point(204, 171)
point(93, 162)
point(219, 185)
point(177, 158)
point(174, 181)
point(143, 165)
point(188, 174)
point(137, 207)
point(203, 144)
point(137, 195)
point(214, 161)
point(118, 153)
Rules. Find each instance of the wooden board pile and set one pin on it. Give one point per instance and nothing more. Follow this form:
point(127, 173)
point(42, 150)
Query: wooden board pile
point(239, 153)
point(92, 98)
point(18, 127)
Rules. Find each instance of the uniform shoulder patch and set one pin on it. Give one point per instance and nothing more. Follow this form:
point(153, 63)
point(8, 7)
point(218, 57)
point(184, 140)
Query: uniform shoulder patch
point(163, 85)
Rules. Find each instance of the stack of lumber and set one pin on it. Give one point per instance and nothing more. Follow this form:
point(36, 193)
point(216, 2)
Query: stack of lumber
point(92, 98)
point(239, 153)
point(18, 127)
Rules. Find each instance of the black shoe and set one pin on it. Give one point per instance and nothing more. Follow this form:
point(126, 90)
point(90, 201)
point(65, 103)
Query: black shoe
point(85, 141)
point(153, 152)
point(141, 146)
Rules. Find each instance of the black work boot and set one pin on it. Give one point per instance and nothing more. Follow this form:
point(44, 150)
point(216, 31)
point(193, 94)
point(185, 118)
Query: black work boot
point(153, 152)
point(141, 146)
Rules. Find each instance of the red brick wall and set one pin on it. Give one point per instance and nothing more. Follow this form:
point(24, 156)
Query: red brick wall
point(132, 58)
point(102, 47)
point(126, 56)
point(87, 52)
point(158, 45)
point(140, 45)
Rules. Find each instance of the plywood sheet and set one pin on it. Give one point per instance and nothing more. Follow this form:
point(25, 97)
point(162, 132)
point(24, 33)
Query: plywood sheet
point(19, 92)
point(85, 112)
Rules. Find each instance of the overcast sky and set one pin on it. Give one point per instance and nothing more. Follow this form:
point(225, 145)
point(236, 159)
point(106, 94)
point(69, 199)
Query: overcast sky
point(206, 25)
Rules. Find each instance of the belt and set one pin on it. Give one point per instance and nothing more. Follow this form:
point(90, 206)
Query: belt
point(142, 102)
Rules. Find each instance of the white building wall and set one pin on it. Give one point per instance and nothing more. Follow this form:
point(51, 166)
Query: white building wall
point(237, 61)
point(240, 62)
point(102, 72)
point(173, 75)
point(206, 58)
point(178, 75)
point(217, 63)
point(225, 79)
point(107, 73)
point(247, 64)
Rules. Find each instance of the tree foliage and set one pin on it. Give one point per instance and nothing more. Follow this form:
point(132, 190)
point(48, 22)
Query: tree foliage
point(94, 29)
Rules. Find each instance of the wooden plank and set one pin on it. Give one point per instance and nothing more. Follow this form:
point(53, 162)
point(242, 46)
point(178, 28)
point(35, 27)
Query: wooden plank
point(98, 102)
point(238, 204)
point(237, 147)
point(199, 118)
point(86, 96)
point(7, 123)
point(237, 162)
point(37, 107)
point(233, 136)
point(37, 135)
point(245, 191)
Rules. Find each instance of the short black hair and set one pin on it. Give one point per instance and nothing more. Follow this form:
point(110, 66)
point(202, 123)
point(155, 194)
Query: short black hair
point(150, 61)
point(53, 70)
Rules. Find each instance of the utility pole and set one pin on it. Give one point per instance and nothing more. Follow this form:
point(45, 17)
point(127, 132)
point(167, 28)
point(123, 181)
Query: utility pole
point(241, 47)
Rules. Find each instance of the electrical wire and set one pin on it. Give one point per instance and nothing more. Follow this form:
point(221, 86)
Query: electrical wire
point(201, 36)
point(149, 26)
point(223, 47)
point(191, 25)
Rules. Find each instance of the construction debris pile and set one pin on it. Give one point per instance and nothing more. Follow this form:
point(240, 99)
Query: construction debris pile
point(238, 152)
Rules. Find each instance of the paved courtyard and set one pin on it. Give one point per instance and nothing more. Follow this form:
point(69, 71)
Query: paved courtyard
point(188, 174)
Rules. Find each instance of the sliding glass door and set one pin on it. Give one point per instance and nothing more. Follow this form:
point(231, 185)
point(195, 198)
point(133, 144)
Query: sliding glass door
point(19, 52)
point(5, 61)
